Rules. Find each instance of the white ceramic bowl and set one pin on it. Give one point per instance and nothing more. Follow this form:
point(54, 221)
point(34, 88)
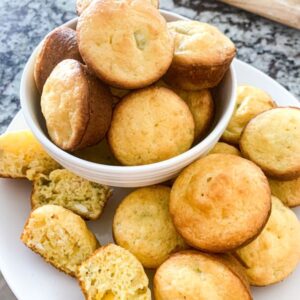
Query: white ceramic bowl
point(122, 176)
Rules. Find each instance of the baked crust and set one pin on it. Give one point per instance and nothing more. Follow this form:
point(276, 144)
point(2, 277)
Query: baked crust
point(132, 50)
point(272, 141)
point(225, 149)
point(202, 55)
point(77, 107)
point(58, 45)
point(220, 202)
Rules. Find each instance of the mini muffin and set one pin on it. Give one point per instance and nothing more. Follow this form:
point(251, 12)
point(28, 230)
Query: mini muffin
point(66, 189)
point(77, 107)
point(272, 141)
point(81, 5)
point(21, 156)
point(60, 237)
point(250, 102)
point(275, 253)
point(113, 273)
point(225, 149)
point(150, 125)
point(142, 225)
point(59, 44)
point(126, 43)
point(287, 191)
point(191, 275)
point(202, 55)
point(220, 202)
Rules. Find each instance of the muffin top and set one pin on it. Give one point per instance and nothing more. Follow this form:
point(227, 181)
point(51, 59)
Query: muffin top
point(142, 224)
point(193, 275)
point(200, 43)
point(275, 253)
point(126, 43)
point(272, 141)
point(220, 202)
point(150, 125)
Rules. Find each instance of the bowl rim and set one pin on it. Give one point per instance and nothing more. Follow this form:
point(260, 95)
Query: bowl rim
point(129, 170)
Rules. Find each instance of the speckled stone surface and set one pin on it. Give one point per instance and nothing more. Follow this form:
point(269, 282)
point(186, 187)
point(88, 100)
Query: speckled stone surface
point(271, 47)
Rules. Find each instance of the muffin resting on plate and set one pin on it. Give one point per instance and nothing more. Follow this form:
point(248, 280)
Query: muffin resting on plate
point(202, 55)
point(59, 236)
point(113, 273)
point(21, 156)
point(142, 224)
point(275, 253)
point(272, 141)
point(126, 43)
point(225, 149)
point(220, 202)
point(77, 107)
point(66, 189)
point(150, 125)
point(250, 102)
point(58, 45)
point(191, 275)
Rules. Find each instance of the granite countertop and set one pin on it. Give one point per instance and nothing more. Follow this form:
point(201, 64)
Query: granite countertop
point(270, 47)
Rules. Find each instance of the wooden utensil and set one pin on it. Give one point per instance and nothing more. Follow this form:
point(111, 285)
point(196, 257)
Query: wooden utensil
point(283, 11)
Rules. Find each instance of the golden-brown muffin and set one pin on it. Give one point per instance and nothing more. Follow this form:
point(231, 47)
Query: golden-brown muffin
point(81, 5)
point(220, 202)
point(77, 107)
point(272, 141)
point(191, 275)
point(142, 224)
point(60, 237)
point(58, 45)
point(287, 191)
point(250, 102)
point(22, 156)
point(202, 55)
point(150, 125)
point(61, 187)
point(225, 149)
point(275, 253)
point(113, 273)
point(126, 43)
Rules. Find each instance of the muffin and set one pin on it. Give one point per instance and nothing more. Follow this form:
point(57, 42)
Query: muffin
point(220, 202)
point(77, 107)
point(58, 45)
point(60, 237)
point(21, 156)
point(202, 55)
point(113, 273)
point(150, 125)
point(126, 43)
point(250, 102)
point(81, 5)
point(225, 149)
point(287, 191)
point(272, 141)
point(275, 253)
point(142, 225)
point(61, 187)
point(191, 275)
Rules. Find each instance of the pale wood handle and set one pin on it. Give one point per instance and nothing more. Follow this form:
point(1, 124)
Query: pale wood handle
point(283, 11)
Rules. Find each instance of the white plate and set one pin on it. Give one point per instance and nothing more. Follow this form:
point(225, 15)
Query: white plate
point(30, 278)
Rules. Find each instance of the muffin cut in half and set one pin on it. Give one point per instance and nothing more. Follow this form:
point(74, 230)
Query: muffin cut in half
point(191, 275)
point(22, 156)
point(60, 237)
point(142, 224)
point(58, 45)
point(220, 202)
point(77, 107)
point(113, 273)
point(66, 189)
